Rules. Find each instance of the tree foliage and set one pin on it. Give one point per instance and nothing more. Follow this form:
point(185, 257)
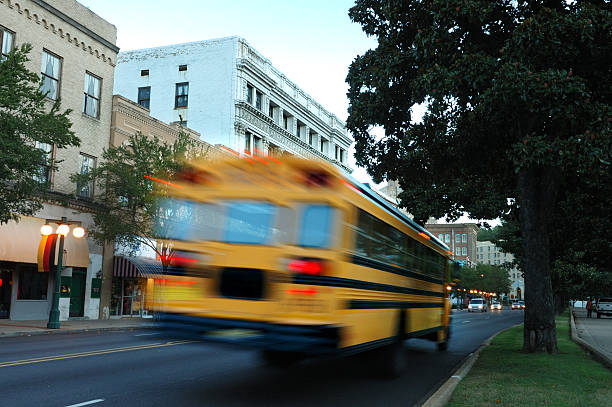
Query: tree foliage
point(518, 116)
point(26, 117)
point(484, 277)
point(129, 204)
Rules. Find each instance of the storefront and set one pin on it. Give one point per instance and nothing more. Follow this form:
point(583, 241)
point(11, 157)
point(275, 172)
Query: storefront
point(26, 293)
point(132, 281)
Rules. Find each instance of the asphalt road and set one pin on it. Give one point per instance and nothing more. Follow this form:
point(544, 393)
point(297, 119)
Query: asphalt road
point(138, 368)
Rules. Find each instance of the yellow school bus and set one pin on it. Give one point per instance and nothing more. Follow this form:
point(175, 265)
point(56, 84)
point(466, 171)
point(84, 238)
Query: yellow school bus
point(296, 258)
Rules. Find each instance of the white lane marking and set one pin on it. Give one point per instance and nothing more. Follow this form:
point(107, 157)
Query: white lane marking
point(154, 333)
point(465, 322)
point(86, 403)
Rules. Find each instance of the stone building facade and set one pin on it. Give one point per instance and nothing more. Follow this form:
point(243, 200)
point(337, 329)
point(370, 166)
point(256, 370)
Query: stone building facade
point(75, 54)
point(226, 90)
point(488, 253)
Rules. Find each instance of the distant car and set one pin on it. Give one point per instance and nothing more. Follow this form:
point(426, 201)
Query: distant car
point(496, 305)
point(477, 304)
point(516, 305)
point(603, 307)
point(522, 304)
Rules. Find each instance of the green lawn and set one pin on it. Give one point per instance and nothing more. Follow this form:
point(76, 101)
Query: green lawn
point(503, 376)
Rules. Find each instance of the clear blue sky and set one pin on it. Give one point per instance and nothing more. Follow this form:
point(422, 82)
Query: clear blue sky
point(311, 42)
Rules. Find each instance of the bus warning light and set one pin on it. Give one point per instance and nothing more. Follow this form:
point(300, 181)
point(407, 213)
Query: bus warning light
point(305, 267)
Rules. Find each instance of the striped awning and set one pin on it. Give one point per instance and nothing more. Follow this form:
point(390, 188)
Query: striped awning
point(133, 267)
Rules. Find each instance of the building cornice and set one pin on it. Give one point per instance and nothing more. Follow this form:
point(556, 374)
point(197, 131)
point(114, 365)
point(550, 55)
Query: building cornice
point(70, 37)
point(76, 24)
point(248, 115)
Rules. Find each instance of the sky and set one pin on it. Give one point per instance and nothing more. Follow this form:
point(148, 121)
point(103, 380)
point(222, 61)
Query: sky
point(312, 42)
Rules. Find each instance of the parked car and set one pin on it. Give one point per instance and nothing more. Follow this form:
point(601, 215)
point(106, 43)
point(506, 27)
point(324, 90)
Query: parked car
point(522, 304)
point(603, 307)
point(477, 304)
point(516, 305)
point(496, 305)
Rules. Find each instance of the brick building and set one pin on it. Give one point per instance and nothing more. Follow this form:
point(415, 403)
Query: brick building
point(460, 237)
point(74, 52)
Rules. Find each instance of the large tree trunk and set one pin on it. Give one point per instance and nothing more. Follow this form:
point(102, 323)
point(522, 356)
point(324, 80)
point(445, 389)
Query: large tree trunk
point(537, 192)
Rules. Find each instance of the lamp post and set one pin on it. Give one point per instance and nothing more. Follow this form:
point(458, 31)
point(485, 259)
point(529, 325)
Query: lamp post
point(62, 231)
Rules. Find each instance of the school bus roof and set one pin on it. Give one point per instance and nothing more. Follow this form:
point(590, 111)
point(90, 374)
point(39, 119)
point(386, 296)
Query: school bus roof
point(311, 171)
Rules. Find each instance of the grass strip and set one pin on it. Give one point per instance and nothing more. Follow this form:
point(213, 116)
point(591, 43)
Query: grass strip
point(503, 376)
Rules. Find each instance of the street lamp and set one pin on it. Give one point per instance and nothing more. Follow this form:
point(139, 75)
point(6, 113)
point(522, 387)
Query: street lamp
point(62, 231)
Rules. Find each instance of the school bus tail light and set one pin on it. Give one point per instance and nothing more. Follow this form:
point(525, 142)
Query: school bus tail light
point(304, 266)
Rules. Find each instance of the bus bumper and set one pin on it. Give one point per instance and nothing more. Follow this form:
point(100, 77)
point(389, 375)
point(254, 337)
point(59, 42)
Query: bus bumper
point(310, 339)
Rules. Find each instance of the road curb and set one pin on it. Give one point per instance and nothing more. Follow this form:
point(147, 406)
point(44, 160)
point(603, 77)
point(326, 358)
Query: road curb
point(596, 353)
point(69, 331)
point(441, 396)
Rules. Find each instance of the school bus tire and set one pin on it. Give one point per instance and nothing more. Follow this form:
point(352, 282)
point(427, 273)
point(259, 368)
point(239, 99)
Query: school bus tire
point(393, 357)
point(443, 345)
point(280, 359)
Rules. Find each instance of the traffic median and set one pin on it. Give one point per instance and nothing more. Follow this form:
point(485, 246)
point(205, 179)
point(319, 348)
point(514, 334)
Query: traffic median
point(505, 376)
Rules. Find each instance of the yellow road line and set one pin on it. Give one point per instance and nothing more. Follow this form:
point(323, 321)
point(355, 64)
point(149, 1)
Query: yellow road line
point(90, 353)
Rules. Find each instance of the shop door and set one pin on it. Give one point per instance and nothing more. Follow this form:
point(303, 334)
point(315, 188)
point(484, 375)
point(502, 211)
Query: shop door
point(77, 294)
point(6, 278)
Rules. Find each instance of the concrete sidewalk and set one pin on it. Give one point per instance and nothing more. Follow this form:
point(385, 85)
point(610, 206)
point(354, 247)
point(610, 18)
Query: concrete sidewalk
point(596, 333)
point(26, 328)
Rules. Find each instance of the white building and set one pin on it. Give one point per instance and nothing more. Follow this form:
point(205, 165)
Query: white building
point(488, 253)
point(232, 95)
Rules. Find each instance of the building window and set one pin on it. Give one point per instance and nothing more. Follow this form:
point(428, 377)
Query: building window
point(182, 68)
point(247, 142)
point(249, 95)
point(32, 284)
point(447, 238)
point(91, 97)
point(257, 144)
point(144, 96)
point(181, 94)
point(286, 121)
point(271, 111)
point(464, 251)
point(258, 100)
point(457, 238)
point(323, 145)
point(88, 163)
point(44, 171)
point(144, 72)
point(298, 129)
point(441, 237)
point(464, 238)
point(6, 40)
point(50, 74)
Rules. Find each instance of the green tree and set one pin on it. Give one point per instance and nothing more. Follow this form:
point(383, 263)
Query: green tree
point(26, 118)
point(130, 205)
point(518, 102)
point(487, 235)
point(485, 277)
